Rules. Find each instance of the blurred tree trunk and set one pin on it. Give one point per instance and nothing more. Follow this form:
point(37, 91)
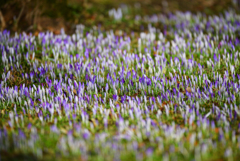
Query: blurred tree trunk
point(2, 20)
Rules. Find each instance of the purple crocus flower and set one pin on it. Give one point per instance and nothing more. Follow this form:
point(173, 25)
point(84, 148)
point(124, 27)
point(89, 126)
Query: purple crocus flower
point(149, 151)
point(86, 135)
point(115, 97)
point(215, 58)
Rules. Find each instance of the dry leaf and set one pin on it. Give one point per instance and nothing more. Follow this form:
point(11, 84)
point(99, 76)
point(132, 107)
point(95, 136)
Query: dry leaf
point(189, 89)
point(74, 91)
point(64, 131)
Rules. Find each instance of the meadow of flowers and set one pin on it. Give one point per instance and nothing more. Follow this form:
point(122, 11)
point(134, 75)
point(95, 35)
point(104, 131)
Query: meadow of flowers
point(163, 94)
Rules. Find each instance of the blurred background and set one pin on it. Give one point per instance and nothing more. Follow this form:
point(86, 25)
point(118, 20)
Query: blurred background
point(41, 15)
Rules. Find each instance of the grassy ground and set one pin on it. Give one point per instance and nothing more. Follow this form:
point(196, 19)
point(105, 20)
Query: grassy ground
point(133, 88)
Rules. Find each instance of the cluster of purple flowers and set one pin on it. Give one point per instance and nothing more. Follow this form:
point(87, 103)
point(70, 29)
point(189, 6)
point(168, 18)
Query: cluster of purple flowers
point(173, 93)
